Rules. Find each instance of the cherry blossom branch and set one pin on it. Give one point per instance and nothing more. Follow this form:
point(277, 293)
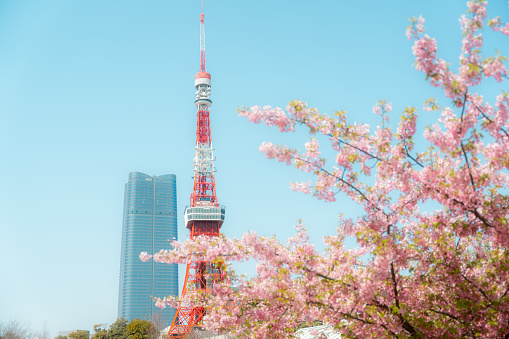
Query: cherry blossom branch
point(468, 166)
point(407, 153)
point(304, 122)
point(479, 216)
point(477, 288)
point(448, 315)
point(401, 207)
point(491, 121)
point(323, 276)
point(374, 156)
point(353, 317)
point(505, 293)
point(352, 187)
point(473, 211)
point(463, 108)
point(359, 149)
point(406, 325)
point(395, 285)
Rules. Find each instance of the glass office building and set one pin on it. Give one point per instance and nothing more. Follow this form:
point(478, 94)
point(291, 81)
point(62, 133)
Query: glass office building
point(150, 220)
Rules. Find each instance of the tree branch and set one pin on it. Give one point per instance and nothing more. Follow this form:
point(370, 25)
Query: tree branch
point(447, 314)
point(352, 187)
point(490, 121)
point(344, 142)
point(468, 166)
point(415, 160)
point(357, 148)
point(477, 288)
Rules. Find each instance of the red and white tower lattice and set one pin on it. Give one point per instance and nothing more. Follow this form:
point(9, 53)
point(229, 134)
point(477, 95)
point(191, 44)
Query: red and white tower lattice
point(204, 216)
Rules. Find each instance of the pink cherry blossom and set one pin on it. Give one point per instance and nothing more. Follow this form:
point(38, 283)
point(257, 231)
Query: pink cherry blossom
point(160, 304)
point(494, 67)
point(416, 28)
point(301, 187)
point(497, 26)
point(145, 257)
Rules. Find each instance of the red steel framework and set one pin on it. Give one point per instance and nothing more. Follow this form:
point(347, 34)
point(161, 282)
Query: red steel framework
point(204, 216)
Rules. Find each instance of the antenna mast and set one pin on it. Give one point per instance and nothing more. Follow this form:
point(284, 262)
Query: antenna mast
point(202, 40)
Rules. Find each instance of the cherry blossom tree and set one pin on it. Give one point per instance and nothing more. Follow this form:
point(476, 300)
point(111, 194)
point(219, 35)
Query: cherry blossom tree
point(416, 272)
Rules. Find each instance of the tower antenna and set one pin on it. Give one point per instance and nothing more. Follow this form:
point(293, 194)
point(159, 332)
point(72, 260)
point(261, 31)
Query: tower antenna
point(202, 39)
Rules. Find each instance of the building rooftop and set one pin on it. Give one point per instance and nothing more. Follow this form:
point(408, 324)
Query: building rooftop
point(315, 332)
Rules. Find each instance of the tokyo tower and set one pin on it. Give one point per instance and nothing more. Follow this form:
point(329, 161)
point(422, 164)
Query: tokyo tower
point(204, 216)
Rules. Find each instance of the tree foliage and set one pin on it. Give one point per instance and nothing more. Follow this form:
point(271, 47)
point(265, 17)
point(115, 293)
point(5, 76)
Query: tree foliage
point(123, 329)
point(100, 332)
point(418, 271)
point(79, 334)
point(139, 329)
point(118, 330)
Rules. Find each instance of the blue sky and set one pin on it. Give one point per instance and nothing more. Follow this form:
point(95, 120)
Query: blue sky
point(91, 90)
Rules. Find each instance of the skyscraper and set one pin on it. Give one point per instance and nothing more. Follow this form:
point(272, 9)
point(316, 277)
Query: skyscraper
point(150, 220)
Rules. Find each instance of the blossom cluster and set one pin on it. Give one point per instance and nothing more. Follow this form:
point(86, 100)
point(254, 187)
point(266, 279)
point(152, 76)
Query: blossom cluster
point(497, 26)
